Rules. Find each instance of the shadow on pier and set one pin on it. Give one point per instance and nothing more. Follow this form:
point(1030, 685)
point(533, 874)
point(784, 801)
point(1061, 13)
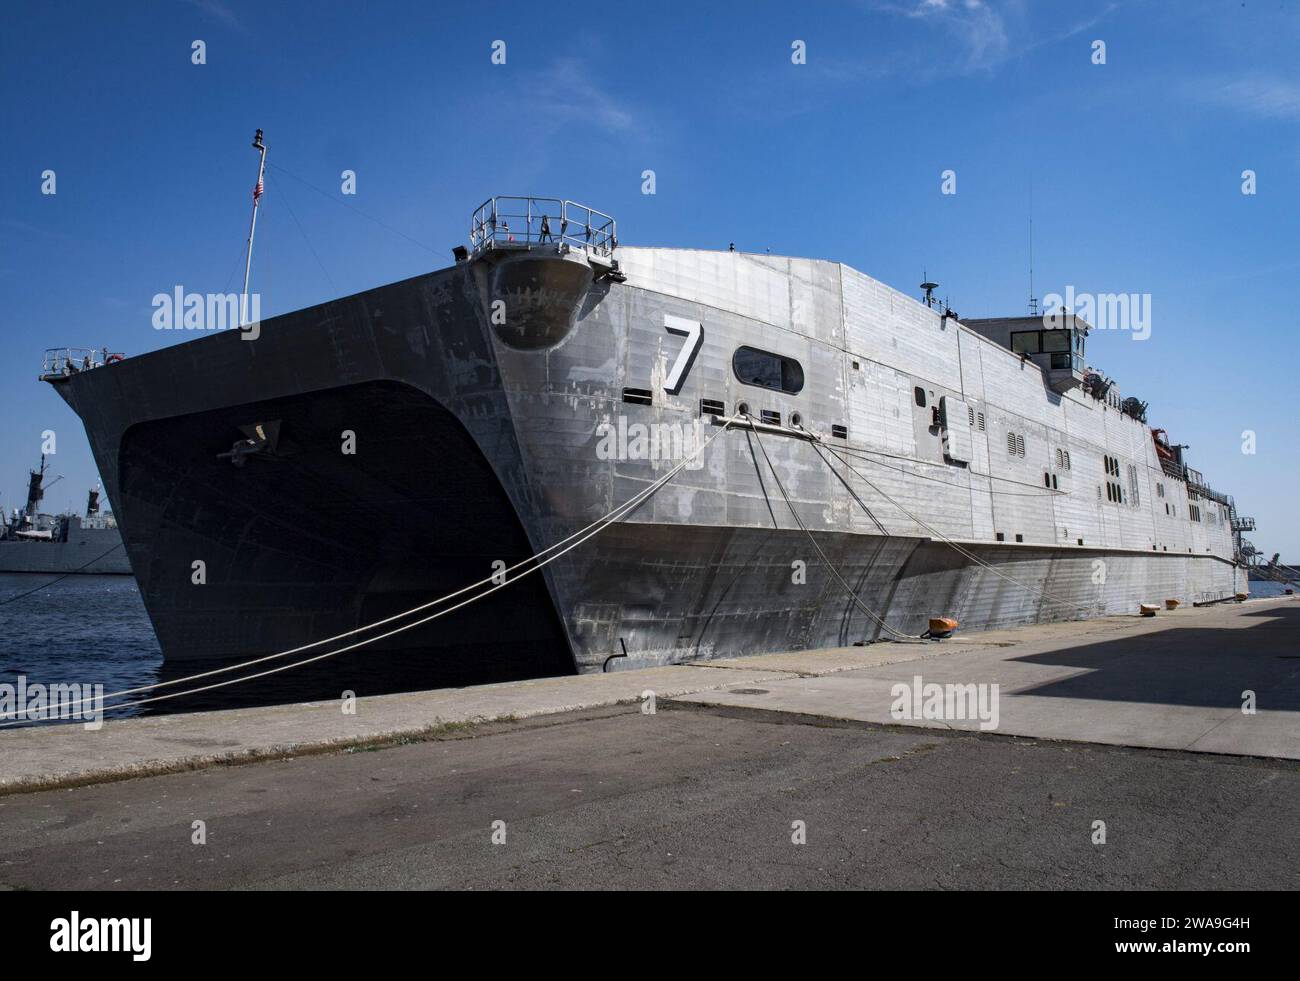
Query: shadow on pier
point(1188, 666)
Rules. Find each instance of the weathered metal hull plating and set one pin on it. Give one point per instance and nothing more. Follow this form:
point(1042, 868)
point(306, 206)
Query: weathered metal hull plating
point(487, 413)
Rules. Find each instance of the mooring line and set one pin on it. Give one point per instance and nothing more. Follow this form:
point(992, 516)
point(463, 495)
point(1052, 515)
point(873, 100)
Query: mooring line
point(1076, 607)
point(593, 529)
point(62, 577)
point(867, 455)
point(830, 565)
point(816, 445)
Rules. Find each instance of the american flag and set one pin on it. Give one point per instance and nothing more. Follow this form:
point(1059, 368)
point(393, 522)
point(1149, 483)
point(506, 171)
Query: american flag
point(257, 191)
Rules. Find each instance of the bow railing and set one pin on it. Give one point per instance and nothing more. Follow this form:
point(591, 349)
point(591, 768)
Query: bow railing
point(528, 221)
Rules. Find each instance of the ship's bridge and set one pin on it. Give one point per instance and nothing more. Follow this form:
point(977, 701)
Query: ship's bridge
point(1054, 342)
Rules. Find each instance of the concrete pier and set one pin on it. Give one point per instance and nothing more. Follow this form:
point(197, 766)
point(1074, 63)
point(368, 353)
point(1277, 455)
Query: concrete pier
point(568, 783)
point(1175, 681)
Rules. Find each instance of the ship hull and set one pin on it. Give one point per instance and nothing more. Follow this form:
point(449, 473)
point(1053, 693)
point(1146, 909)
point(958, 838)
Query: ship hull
point(93, 552)
point(421, 445)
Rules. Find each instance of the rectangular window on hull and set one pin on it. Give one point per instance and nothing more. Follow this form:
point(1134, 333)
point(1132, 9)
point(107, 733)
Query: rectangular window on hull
point(637, 396)
point(712, 407)
point(767, 370)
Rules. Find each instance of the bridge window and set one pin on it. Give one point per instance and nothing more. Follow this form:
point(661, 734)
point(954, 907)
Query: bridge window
point(1025, 342)
point(767, 370)
point(1056, 340)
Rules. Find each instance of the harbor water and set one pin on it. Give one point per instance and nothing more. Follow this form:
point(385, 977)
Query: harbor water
point(94, 630)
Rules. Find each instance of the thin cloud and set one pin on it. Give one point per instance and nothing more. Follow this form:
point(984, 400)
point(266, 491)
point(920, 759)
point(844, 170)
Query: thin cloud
point(1265, 96)
point(566, 92)
point(218, 11)
point(966, 37)
point(976, 28)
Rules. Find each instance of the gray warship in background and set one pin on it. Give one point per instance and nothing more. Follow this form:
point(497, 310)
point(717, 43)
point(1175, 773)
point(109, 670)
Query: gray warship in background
point(33, 541)
point(354, 459)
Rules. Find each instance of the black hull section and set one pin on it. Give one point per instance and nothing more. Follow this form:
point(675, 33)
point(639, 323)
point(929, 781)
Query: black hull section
point(305, 540)
point(308, 541)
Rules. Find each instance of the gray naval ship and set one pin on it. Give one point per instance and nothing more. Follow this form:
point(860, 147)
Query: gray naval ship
point(34, 541)
point(878, 462)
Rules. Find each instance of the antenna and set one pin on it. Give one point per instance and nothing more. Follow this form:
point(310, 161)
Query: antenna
point(929, 288)
point(1033, 300)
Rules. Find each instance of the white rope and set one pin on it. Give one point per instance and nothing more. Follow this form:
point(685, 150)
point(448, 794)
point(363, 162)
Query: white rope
point(867, 455)
point(947, 541)
point(593, 529)
point(830, 565)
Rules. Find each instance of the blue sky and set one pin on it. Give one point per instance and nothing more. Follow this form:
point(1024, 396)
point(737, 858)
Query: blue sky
point(1135, 167)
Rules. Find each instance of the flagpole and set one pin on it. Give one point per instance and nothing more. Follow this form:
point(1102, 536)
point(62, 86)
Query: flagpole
point(252, 227)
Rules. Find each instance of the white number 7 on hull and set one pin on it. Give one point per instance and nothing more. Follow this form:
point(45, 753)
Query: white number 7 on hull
point(694, 333)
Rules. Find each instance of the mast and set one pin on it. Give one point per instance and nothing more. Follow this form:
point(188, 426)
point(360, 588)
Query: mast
point(259, 146)
point(35, 490)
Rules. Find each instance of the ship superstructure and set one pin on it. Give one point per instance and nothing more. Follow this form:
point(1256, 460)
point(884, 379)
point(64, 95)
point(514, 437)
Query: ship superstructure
point(32, 540)
point(874, 456)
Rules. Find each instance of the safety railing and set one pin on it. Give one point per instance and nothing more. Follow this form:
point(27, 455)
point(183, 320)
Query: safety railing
point(59, 362)
point(1196, 486)
point(526, 221)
